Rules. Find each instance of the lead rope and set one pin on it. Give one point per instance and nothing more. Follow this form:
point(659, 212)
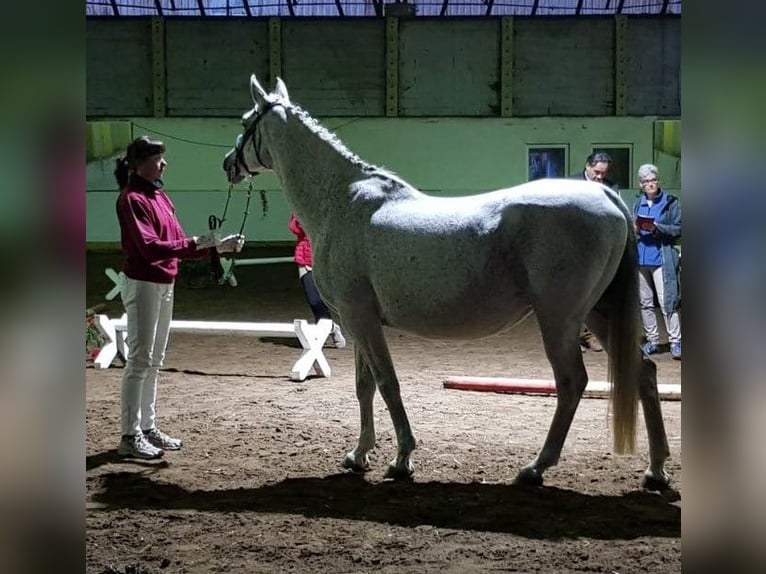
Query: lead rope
point(215, 223)
point(247, 206)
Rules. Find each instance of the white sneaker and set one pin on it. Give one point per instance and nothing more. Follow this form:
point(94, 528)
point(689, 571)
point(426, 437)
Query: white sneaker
point(160, 440)
point(337, 337)
point(136, 446)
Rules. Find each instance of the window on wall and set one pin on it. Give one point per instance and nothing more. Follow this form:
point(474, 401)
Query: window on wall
point(622, 168)
point(547, 161)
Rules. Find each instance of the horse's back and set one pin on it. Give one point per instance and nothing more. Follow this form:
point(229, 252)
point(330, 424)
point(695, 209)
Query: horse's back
point(417, 209)
point(469, 266)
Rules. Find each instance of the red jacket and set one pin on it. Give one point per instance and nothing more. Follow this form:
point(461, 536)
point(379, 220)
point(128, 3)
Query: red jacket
point(303, 246)
point(152, 237)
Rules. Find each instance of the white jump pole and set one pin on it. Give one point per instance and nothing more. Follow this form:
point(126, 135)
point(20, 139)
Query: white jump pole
point(312, 338)
point(229, 264)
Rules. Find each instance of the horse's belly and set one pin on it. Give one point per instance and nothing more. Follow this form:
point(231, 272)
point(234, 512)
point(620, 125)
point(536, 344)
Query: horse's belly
point(465, 321)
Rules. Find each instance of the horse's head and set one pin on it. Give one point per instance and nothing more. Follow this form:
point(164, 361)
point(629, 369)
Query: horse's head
point(251, 153)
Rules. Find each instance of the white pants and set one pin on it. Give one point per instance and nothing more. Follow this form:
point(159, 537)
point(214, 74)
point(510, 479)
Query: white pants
point(150, 308)
point(650, 280)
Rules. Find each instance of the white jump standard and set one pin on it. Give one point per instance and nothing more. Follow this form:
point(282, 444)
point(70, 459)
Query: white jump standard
point(228, 264)
point(312, 338)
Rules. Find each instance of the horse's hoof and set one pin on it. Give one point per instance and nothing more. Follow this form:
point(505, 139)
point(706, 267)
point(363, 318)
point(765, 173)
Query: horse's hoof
point(529, 477)
point(652, 482)
point(399, 472)
point(351, 464)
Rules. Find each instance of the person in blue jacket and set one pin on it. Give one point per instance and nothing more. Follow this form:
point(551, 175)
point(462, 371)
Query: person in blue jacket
point(657, 217)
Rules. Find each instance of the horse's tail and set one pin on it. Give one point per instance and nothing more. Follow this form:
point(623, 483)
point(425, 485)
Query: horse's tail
point(624, 360)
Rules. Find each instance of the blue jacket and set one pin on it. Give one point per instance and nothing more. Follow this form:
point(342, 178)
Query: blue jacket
point(668, 232)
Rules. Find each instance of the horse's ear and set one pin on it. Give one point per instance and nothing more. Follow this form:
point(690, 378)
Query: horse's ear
point(281, 90)
point(258, 93)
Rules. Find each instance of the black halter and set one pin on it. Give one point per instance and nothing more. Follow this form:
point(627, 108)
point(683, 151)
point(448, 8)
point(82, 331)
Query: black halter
point(250, 132)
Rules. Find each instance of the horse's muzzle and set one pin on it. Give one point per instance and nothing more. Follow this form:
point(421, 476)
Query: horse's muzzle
point(234, 172)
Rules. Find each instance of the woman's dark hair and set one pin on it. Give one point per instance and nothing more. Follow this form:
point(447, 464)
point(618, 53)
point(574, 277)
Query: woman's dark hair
point(121, 171)
point(142, 148)
point(138, 150)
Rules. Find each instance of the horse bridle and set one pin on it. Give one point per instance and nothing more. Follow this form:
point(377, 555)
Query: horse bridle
point(251, 132)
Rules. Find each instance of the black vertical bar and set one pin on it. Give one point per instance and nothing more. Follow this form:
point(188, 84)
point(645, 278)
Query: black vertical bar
point(158, 5)
point(445, 3)
point(490, 4)
point(340, 7)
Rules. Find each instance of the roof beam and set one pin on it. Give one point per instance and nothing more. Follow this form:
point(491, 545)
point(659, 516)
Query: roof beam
point(579, 7)
point(490, 4)
point(158, 6)
point(534, 7)
point(445, 3)
point(618, 10)
point(378, 5)
point(290, 7)
point(665, 7)
point(115, 9)
point(201, 6)
point(246, 6)
point(340, 7)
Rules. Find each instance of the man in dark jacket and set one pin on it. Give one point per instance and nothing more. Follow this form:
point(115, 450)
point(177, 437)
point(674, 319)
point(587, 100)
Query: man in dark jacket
point(597, 166)
point(596, 169)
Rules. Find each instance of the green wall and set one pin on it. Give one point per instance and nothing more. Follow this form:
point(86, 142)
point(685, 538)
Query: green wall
point(441, 156)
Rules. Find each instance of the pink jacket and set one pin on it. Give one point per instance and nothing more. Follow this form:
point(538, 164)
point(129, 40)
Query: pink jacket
point(152, 237)
point(303, 246)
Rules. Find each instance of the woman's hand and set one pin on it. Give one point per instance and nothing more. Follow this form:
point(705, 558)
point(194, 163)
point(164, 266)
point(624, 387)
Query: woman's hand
point(231, 244)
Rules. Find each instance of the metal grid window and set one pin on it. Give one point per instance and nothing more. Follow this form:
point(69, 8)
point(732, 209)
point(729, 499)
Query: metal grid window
point(359, 8)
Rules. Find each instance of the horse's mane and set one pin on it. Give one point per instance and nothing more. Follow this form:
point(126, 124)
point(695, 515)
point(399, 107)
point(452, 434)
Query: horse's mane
point(326, 135)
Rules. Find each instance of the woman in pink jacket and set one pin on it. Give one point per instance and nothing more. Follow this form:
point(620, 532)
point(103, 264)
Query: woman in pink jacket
point(304, 261)
point(152, 243)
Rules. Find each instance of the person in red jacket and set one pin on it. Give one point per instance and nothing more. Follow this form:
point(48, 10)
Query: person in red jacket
point(304, 261)
point(152, 242)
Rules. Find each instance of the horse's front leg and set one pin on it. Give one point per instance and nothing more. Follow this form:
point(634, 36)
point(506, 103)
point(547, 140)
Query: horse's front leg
point(370, 342)
point(357, 460)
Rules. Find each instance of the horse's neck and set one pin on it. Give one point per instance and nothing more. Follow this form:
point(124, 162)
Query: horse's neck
point(315, 174)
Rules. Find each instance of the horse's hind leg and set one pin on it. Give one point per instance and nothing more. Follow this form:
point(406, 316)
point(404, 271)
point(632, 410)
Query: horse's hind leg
point(357, 460)
point(655, 477)
point(563, 350)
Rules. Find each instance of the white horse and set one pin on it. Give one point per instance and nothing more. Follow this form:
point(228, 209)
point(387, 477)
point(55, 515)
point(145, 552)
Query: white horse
point(464, 267)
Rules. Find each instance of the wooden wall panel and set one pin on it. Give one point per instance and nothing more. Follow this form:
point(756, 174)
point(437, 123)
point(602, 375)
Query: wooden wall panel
point(118, 63)
point(563, 67)
point(654, 66)
point(335, 67)
point(449, 67)
point(209, 62)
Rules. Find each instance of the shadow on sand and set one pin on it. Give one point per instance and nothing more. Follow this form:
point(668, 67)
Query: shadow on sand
point(531, 512)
